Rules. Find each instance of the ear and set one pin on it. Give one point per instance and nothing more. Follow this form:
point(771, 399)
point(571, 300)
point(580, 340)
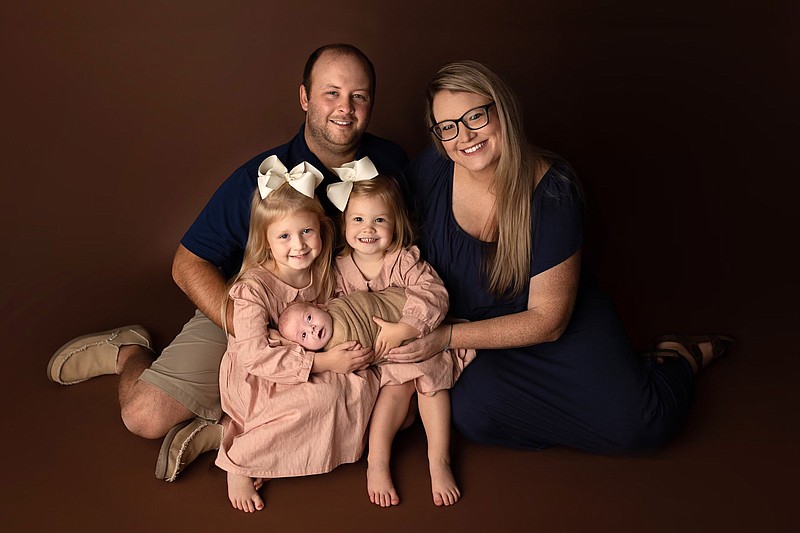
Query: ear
point(303, 97)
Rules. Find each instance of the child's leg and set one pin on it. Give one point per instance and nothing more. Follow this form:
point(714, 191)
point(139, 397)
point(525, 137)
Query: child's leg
point(390, 410)
point(435, 413)
point(243, 492)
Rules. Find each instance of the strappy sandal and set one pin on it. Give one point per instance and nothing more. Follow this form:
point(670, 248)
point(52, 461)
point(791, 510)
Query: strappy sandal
point(720, 347)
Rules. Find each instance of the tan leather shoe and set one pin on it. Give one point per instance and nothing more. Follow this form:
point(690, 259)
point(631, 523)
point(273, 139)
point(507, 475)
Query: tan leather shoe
point(183, 444)
point(93, 355)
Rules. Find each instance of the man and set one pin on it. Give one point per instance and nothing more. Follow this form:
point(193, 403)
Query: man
point(176, 396)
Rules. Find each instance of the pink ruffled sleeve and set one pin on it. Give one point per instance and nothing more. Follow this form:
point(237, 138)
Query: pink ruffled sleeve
point(254, 350)
point(426, 298)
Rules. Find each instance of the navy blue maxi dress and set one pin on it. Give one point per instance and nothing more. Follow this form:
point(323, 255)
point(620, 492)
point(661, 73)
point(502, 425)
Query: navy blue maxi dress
point(587, 390)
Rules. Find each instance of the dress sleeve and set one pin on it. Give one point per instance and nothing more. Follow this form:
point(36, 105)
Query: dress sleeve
point(259, 354)
point(557, 219)
point(426, 297)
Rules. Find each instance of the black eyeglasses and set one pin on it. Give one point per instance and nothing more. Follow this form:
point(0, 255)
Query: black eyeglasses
point(474, 119)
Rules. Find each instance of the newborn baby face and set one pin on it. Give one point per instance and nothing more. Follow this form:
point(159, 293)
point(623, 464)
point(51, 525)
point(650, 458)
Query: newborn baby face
point(307, 325)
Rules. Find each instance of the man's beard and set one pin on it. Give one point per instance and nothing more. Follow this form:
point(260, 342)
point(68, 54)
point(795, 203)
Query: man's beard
point(337, 144)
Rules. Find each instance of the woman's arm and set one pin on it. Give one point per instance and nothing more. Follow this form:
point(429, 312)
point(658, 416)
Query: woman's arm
point(550, 303)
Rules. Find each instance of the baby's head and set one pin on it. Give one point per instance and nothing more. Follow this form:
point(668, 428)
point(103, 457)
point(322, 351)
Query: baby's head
point(307, 325)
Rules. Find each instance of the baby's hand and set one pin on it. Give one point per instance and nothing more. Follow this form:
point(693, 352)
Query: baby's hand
point(392, 335)
point(345, 358)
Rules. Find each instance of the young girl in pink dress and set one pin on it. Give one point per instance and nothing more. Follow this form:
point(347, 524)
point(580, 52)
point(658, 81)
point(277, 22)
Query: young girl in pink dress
point(378, 254)
point(290, 412)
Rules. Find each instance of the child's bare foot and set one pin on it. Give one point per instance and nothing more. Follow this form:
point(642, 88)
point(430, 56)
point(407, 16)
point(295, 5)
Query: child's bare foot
point(443, 485)
point(379, 485)
point(242, 493)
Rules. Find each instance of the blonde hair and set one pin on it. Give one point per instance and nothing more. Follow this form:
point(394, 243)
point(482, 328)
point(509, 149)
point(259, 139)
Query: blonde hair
point(507, 265)
point(264, 212)
point(386, 189)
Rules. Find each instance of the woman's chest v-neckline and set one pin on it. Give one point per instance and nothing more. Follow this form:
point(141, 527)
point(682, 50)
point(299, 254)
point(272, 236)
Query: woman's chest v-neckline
point(472, 205)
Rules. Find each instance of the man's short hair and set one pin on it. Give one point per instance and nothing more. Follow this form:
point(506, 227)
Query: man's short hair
point(338, 49)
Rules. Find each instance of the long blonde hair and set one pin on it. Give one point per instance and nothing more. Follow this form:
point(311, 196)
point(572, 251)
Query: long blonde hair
point(507, 264)
point(388, 190)
point(263, 212)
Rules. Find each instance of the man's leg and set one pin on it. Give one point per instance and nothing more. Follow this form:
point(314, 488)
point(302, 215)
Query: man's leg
point(160, 397)
point(177, 396)
point(147, 411)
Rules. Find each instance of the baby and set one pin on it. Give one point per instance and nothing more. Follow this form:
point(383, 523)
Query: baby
point(347, 318)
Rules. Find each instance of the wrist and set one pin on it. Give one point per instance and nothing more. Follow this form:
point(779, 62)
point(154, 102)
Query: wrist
point(449, 338)
point(320, 363)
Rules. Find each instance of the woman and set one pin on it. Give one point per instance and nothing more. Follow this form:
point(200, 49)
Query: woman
point(502, 225)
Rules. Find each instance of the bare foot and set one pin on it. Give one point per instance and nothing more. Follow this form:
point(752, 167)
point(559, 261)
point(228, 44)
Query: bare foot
point(443, 485)
point(242, 493)
point(379, 485)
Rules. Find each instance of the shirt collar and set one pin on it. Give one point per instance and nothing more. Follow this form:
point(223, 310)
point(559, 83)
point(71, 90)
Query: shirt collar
point(286, 293)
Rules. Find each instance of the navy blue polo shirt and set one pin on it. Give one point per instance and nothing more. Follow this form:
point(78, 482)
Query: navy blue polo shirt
point(219, 234)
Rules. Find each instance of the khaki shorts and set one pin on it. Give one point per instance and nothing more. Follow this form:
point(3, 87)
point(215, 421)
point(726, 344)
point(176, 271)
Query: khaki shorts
point(188, 369)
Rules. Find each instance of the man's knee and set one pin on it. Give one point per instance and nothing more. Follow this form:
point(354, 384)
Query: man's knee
point(147, 416)
point(141, 423)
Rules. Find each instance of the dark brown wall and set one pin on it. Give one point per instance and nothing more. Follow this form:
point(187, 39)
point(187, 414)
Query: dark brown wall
point(120, 120)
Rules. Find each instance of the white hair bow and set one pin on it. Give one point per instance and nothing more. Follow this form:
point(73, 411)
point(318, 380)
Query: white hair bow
point(303, 178)
point(339, 193)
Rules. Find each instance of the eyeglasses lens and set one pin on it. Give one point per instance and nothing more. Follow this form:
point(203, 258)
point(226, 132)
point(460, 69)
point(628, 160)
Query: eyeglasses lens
point(474, 119)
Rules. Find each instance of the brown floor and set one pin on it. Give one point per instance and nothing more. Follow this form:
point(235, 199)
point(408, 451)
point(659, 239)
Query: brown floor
point(120, 120)
point(71, 466)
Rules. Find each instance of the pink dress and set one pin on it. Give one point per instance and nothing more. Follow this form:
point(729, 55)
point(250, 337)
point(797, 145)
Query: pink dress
point(283, 421)
point(425, 308)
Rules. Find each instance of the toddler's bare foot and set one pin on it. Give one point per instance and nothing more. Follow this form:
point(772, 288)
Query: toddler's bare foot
point(443, 485)
point(243, 494)
point(379, 484)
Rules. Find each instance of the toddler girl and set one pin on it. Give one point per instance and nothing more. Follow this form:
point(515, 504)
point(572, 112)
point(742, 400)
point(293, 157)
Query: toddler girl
point(378, 254)
point(272, 390)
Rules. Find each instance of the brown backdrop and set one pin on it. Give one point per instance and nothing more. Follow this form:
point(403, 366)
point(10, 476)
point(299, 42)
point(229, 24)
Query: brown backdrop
point(121, 118)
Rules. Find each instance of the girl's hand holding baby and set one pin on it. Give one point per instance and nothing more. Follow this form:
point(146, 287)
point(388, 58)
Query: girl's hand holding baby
point(392, 335)
point(343, 358)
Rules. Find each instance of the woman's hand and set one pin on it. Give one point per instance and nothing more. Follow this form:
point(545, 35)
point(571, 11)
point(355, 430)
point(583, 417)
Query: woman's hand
point(392, 335)
point(343, 358)
point(423, 348)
